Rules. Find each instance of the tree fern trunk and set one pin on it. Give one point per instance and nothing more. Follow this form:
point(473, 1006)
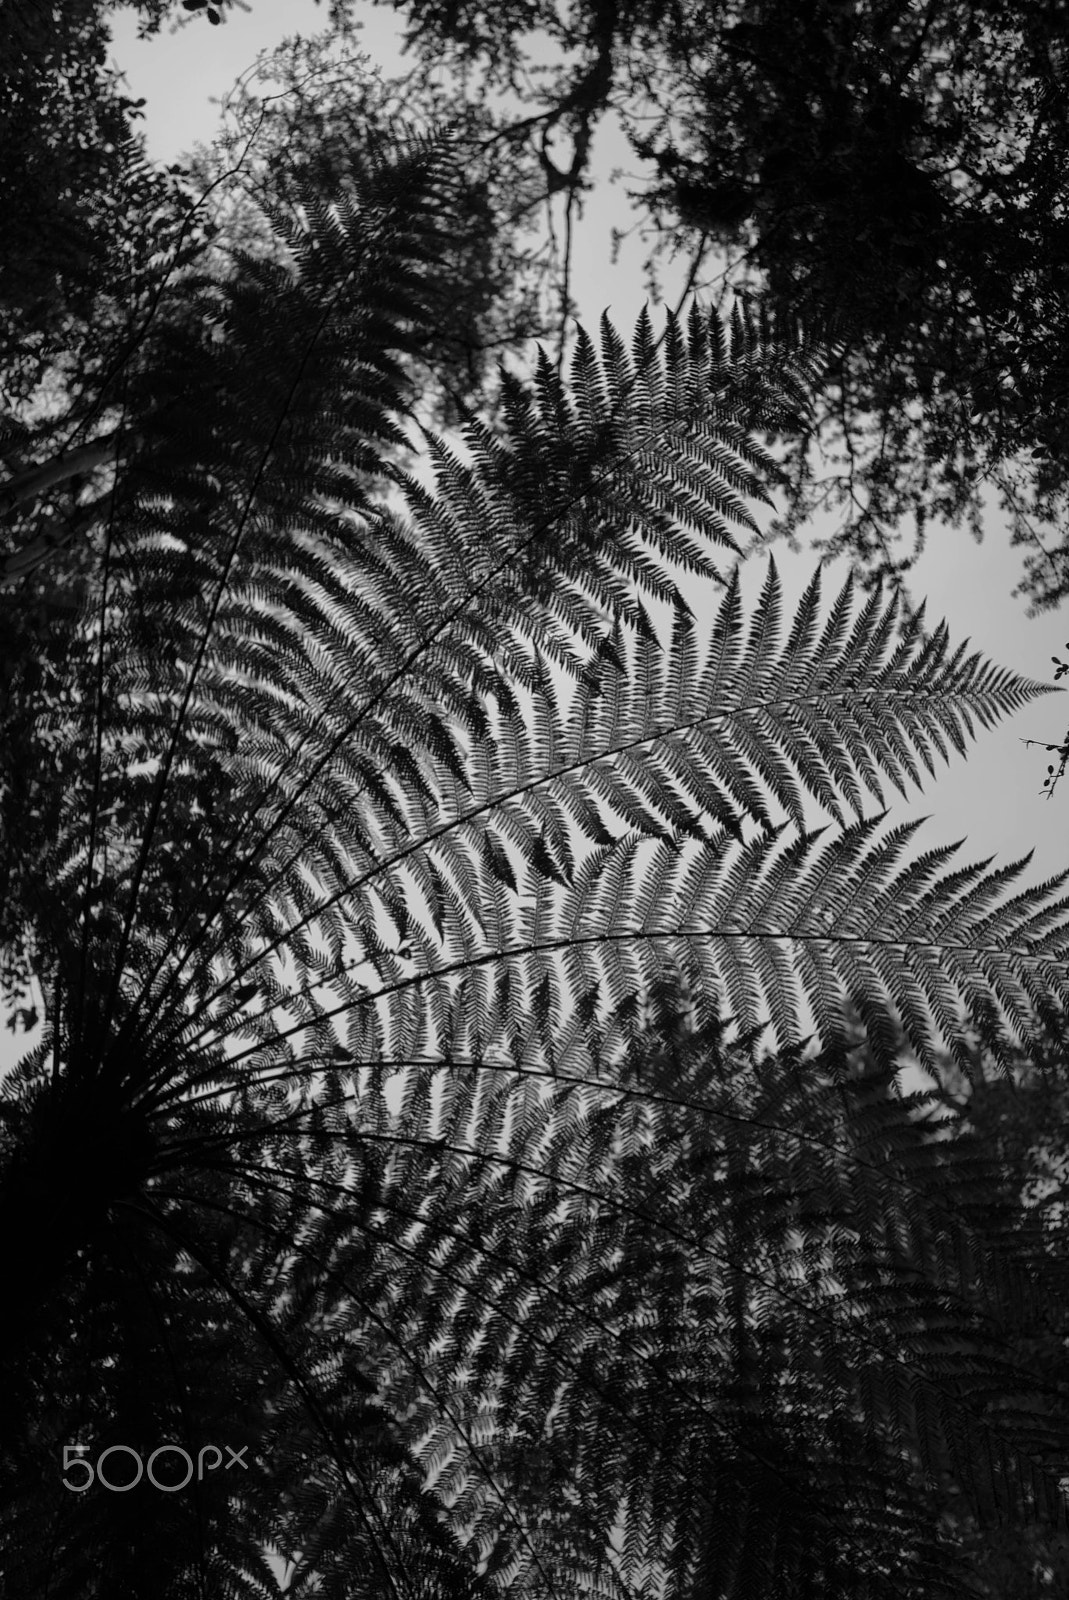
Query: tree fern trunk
point(77, 1156)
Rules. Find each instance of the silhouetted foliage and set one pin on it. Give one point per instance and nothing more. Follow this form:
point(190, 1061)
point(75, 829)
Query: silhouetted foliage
point(898, 168)
point(449, 1082)
point(304, 127)
point(88, 221)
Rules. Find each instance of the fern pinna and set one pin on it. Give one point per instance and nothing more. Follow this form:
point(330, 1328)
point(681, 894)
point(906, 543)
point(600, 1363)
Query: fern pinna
point(446, 1090)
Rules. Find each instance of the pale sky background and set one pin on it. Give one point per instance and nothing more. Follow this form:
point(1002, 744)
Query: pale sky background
point(993, 799)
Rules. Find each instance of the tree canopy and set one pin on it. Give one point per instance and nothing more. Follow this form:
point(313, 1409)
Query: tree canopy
point(87, 219)
point(467, 1079)
point(303, 127)
point(900, 169)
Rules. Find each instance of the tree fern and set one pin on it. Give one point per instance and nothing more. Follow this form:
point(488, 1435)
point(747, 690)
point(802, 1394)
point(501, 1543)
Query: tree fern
point(691, 1351)
point(357, 793)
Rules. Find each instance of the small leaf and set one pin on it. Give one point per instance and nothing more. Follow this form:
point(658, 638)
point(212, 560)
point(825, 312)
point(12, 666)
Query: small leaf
point(588, 1003)
point(543, 863)
point(498, 862)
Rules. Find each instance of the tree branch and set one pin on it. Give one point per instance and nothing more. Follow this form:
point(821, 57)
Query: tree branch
point(35, 481)
point(53, 536)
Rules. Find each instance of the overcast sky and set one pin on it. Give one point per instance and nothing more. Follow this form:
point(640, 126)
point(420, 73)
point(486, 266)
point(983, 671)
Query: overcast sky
point(994, 797)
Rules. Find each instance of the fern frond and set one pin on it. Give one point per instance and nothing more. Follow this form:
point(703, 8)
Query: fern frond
point(641, 752)
point(571, 1270)
point(422, 804)
point(654, 460)
point(785, 927)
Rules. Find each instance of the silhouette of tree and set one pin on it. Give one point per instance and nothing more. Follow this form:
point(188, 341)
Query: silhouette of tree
point(898, 168)
point(448, 1009)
